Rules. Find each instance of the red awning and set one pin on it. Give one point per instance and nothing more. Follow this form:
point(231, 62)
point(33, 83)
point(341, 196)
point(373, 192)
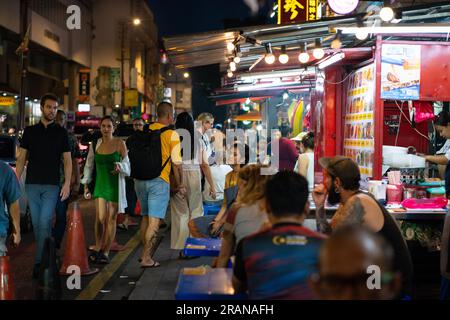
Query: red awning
point(233, 101)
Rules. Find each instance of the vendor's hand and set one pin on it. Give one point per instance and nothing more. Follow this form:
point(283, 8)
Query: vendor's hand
point(319, 195)
point(65, 191)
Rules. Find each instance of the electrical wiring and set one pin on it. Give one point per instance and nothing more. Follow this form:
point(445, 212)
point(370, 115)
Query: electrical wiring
point(418, 132)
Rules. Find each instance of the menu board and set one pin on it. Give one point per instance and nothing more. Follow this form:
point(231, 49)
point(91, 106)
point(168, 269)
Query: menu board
point(359, 130)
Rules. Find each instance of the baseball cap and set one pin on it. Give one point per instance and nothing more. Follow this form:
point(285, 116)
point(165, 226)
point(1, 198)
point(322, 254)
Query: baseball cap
point(299, 137)
point(341, 167)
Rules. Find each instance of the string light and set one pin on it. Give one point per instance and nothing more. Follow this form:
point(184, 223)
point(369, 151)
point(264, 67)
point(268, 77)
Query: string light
point(269, 57)
point(283, 58)
point(318, 52)
point(303, 57)
point(386, 14)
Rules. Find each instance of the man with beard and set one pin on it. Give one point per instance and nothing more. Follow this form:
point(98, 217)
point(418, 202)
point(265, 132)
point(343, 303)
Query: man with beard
point(341, 185)
point(43, 145)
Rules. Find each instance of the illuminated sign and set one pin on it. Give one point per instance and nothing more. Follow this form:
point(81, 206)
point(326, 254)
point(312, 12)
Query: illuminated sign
point(131, 98)
point(343, 6)
point(84, 107)
point(7, 101)
point(295, 11)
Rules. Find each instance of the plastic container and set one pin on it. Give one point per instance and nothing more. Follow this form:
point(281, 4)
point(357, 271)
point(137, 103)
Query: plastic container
point(394, 193)
point(436, 203)
point(436, 192)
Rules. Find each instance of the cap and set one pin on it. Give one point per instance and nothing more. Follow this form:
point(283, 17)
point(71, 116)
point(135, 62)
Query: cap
point(300, 136)
point(342, 167)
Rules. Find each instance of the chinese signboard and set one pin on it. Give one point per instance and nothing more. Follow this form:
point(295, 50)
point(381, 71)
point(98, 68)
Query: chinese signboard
point(7, 101)
point(131, 98)
point(400, 72)
point(84, 83)
point(295, 11)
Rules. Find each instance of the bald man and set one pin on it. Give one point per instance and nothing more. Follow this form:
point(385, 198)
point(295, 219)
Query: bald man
point(356, 264)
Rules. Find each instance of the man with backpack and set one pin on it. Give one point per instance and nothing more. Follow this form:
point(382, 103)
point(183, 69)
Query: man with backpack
point(152, 155)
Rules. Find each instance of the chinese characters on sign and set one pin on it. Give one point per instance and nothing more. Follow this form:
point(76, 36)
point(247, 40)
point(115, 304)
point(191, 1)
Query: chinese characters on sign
point(84, 85)
point(295, 11)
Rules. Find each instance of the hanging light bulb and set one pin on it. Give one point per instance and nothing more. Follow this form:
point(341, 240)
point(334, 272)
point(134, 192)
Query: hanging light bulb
point(303, 57)
point(233, 66)
point(337, 43)
point(283, 58)
point(229, 73)
point(237, 59)
point(361, 34)
point(237, 54)
point(230, 46)
point(318, 52)
point(269, 57)
point(386, 14)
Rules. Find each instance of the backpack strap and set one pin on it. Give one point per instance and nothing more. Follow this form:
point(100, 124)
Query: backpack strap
point(168, 159)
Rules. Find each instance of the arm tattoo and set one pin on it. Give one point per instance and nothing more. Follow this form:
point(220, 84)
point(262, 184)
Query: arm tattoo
point(321, 220)
point(354, 212)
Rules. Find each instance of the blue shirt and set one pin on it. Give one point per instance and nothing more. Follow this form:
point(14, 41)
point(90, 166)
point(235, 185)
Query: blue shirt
point(9, 193)
point(275, 264)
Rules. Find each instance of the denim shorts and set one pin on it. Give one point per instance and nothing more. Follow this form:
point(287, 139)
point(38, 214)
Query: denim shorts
point(3, 246)
point(153, 197)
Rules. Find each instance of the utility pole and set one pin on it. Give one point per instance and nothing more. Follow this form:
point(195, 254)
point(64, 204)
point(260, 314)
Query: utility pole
point(122, 69)
point(22, 51)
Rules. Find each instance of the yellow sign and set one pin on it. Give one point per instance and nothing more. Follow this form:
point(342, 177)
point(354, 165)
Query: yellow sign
point(7, 101)
point(296, 11)
point(131, 98)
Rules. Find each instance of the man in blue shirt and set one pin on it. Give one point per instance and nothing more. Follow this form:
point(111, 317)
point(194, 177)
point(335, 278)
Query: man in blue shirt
point(9, 195)
point(276, 263)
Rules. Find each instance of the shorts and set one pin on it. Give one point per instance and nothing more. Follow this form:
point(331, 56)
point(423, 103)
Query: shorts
point(153, 197)
point(3, 249)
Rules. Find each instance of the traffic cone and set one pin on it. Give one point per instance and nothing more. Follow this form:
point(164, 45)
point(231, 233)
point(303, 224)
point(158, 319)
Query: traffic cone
point(49, 287)
point(6, 280)
point(75, 252)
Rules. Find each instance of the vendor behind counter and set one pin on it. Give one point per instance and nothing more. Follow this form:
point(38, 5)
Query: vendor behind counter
point(442, 125)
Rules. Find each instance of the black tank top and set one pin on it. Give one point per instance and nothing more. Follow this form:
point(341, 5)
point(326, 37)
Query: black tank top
point(402, 258)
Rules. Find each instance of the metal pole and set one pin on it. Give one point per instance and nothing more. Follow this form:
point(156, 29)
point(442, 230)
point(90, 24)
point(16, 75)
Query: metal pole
point(23, 65)
point(122, 69)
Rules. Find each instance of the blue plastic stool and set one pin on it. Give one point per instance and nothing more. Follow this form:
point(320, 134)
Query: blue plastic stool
point(211, 210)
point(202, 247)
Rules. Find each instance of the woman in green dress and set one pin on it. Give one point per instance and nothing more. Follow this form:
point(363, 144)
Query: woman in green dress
point(111, 166)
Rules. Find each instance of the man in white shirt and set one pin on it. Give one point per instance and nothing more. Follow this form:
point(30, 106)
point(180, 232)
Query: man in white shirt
point(218, 172)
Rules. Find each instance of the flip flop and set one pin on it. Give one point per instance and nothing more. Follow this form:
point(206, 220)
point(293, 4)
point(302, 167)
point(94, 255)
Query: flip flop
point(154, 265)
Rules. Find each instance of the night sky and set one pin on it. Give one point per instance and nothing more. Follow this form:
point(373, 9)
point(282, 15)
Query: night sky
point(174, 17)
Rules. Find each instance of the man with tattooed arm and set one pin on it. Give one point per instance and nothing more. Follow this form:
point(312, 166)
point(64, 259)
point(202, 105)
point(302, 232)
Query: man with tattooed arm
point(341, 186)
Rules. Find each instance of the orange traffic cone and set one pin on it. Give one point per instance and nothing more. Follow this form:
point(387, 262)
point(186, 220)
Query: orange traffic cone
point(75, 252)
point(6, 280)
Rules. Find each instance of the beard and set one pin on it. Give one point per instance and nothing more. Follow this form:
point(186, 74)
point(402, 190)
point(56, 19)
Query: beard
point(49, 117)
point(333, 197)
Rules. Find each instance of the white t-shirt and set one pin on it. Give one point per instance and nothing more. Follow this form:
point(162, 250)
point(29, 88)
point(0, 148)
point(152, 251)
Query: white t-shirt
point(218, 173)
point(445, 149)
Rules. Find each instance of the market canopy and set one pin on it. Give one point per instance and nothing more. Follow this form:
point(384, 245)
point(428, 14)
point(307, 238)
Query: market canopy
point(209, 48)
point(251, 116)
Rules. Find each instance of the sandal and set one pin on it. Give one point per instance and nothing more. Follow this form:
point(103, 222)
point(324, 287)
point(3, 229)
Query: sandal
point(93, 256)
point(153, 265)
point(102, 258)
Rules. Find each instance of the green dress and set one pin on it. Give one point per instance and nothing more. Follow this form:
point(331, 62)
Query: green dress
point(106, 183)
